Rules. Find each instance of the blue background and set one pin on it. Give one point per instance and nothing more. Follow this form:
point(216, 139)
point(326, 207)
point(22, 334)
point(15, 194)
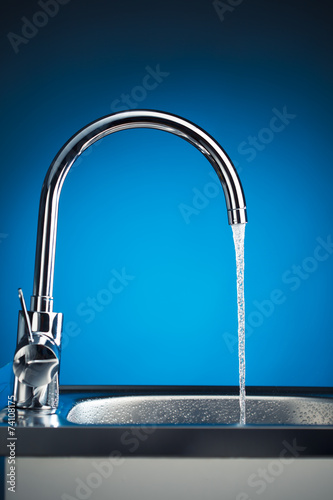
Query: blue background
point(122, 205)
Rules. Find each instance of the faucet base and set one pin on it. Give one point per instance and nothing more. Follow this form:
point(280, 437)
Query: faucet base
point(36, 362)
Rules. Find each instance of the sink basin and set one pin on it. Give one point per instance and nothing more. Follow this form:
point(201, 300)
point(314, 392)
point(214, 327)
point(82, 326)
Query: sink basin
point(198, 410)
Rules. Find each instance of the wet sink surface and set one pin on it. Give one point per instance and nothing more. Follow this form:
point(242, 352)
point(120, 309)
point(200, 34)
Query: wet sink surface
point(169, 409)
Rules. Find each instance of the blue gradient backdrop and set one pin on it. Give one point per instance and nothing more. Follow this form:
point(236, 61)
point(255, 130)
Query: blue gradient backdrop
point(173, 319)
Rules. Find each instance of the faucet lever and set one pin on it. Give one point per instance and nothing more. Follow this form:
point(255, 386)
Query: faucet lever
point(25, 313)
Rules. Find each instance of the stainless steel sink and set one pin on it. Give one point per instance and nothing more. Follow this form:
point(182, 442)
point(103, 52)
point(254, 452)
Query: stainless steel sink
point(175, 422)
point(204, 409)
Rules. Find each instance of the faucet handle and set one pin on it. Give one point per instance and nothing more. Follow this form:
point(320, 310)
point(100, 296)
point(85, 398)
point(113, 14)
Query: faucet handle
point(25, 313)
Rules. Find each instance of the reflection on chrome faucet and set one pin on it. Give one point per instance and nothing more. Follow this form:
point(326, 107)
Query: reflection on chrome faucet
point(37, 356)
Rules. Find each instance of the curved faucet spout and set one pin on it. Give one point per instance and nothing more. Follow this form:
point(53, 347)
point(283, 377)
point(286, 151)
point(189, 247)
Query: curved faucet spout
point(41, 299)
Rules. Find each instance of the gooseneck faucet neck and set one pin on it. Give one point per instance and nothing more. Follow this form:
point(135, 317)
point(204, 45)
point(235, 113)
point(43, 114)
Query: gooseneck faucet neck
point(41, 299)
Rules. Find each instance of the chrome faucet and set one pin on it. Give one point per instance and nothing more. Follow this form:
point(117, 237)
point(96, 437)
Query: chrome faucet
point(37, 356)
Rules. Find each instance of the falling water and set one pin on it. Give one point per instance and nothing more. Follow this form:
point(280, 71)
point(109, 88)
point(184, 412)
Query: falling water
point(239, 235)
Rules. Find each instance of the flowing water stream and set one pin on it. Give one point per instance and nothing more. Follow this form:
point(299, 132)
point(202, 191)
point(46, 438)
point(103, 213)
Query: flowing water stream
point(239, 235)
